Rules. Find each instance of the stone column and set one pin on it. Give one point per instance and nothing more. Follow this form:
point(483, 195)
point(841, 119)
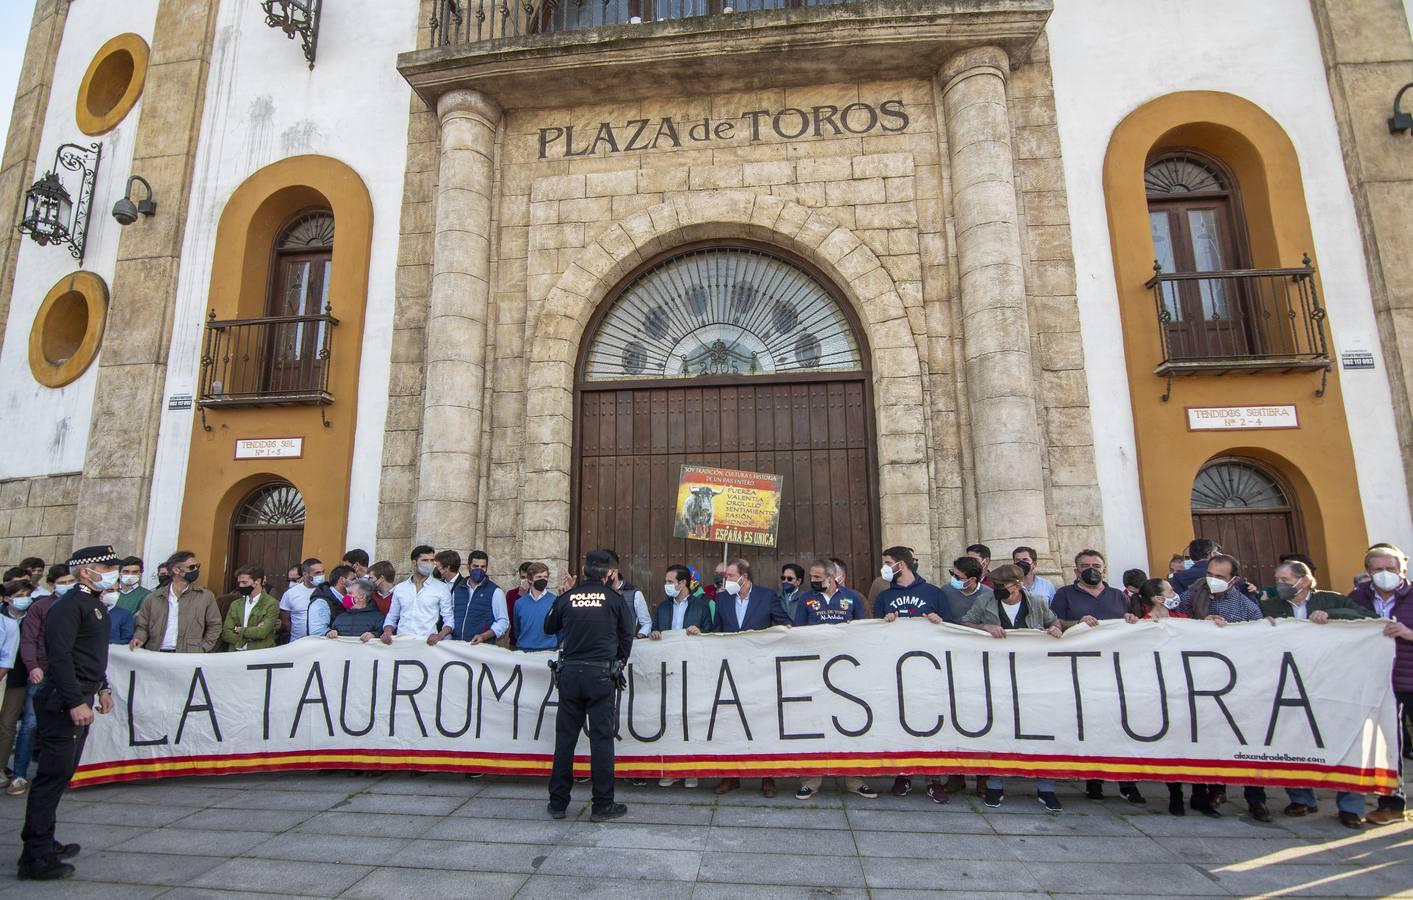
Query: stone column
point(1007, 452)
point(449, 466)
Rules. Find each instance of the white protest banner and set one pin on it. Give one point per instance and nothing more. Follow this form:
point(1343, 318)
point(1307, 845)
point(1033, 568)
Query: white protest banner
point(1291, 704)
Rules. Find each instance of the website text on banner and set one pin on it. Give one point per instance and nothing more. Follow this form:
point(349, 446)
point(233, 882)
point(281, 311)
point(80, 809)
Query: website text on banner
point(1291, 704)
point(728, 505)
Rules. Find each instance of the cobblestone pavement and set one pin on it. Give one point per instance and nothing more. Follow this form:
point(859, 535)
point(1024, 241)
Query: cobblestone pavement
point(444, 836)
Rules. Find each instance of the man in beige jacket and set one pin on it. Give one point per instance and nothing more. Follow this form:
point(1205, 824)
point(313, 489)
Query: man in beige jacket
point(180, 618)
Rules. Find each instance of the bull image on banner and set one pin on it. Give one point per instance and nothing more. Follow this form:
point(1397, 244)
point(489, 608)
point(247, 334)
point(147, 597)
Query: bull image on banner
point(728, 505)
point(1290, 705)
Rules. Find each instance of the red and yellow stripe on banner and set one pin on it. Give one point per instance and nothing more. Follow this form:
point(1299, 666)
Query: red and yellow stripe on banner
point(1256, 772)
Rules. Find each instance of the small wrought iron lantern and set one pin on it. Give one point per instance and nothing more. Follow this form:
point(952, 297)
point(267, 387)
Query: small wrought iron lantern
point(51, 216)
point(296, 17)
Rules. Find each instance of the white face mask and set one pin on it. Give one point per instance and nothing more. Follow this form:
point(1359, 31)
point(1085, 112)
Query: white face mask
point(129, 580)
point(107, 580)
point(1172, 601)
point(62, 589)
point(1385, 580)
point(886, 573)
point(670, 589)
point(732, 587)
point(110, 598)
point(425, 569)
point(1217, 585)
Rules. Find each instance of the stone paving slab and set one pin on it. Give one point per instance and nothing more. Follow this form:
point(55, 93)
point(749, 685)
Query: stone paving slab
point(395, 837)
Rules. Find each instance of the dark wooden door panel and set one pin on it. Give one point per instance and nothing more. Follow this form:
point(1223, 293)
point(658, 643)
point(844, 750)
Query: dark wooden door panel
point(816, 434)
point(1257, 538)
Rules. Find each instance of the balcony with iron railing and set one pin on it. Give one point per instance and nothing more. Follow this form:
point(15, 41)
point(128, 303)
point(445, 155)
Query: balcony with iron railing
point(1247, 320)
point(268, 361)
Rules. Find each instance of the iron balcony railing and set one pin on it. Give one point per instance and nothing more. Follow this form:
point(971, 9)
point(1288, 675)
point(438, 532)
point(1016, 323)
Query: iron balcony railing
point(459, 22)
point(1242, 319)
point(270, 361)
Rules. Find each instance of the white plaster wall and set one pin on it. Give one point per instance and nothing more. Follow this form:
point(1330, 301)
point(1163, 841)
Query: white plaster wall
point(56, 420)
point(264, 104)
point(1266, 51)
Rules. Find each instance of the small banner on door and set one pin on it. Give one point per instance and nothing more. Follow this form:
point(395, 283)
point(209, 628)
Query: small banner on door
point(728, 505)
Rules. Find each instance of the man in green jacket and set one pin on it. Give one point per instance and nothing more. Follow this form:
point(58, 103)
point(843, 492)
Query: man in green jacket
point(252, 619)
point(1294, 596)
point(131, 593)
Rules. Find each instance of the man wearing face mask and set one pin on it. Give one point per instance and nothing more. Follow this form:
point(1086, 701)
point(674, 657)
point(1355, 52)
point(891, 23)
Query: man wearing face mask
point(76, 641)
point(1088, 600)
point(682, 610)
point(420, 602)
point(522, 587)
point(638, 604)
point(131, 593)
point(122, 622)
point(17, 723)
point(294, 603)
point(479, 612)
point(251, 620)
point(743, 605)
point(792, 581)
point(182, 619)
point(1388, 595)
point(327, 601)
point(34, 655)
point(1027, 560)
point(964, 588)
point(164, 575)
point(531, 609)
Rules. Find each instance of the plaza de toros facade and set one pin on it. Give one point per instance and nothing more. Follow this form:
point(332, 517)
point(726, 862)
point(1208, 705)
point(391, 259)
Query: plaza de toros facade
point(475, 275)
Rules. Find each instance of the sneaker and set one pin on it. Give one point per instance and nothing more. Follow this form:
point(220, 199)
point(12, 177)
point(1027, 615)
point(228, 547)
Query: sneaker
point(902, 786)
point(690, 782)
point(804, 793)
point(17, 788)
point(866, 792)
point(1132, 795)
point(1048, 800)
point(938, 792)
point(554, 811)
point(994, 796)
point(1094, 790)
point(609, 812)
point(666, 782)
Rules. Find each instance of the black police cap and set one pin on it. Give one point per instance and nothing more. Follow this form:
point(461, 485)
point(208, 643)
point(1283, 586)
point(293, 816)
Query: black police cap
point(598, 559)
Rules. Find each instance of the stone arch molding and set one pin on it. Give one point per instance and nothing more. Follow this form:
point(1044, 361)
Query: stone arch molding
point(840, 255)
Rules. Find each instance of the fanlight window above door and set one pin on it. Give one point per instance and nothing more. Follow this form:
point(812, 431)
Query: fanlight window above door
point(1234, 485)
point(273, 504)
point(722, 311)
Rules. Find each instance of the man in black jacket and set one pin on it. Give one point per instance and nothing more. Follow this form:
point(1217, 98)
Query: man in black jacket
point(76, 633)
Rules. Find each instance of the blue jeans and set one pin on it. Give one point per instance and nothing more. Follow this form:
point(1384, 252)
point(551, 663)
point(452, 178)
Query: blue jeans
point(994, 783)
point(24, 736)
point(1345, 801)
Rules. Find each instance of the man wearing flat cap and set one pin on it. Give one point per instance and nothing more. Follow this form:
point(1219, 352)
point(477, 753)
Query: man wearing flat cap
point(76, 634)
point(596, 630)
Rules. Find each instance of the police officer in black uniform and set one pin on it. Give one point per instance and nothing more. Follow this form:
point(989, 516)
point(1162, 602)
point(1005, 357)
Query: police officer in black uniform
point(76, 632)
point(597, 638)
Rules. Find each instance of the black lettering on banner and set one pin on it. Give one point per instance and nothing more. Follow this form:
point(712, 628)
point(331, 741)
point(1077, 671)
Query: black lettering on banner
point(781, 699)
point(198, 677)
point(1288, 667)
point(372, 702)
point(132, 731)
point(1016, 707)
point(804, 122)
point(1193, 693)
point(315, 674)
point(642, 125)
point(269, 679)
point(662, 706)
point(410, 694)
point(902, 702)
point(986, 684)
point(1074, 656)
point(868, 711)
point(441, 693)
point(545, 704)
point(685, 735)
point(514, 680)
point(872, 118)
point(722, 677)
point(893, 109)
point(1123, 700)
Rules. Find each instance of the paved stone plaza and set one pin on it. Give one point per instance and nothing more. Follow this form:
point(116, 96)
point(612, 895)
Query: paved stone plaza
point(444, 836)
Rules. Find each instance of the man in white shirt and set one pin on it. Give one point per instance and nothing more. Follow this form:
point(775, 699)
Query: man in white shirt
point(294, 605)
point(420, 602)
point(632, 594)
point(1026, 559)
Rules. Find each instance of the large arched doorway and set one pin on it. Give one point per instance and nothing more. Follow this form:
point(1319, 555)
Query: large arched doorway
point(267, 530)
point(1247, 508)
point(732, 355)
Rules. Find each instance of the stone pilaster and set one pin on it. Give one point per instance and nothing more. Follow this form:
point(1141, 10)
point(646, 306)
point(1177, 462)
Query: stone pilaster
point(132, 371)
point(448, 483)
point(1008, 455)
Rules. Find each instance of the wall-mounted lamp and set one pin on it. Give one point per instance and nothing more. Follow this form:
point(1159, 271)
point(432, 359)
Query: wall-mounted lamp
point(126, 211)
point(293, 17)
point(51, 216)
point(1400, 121)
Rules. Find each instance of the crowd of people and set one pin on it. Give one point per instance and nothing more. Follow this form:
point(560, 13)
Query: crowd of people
point(439, 601)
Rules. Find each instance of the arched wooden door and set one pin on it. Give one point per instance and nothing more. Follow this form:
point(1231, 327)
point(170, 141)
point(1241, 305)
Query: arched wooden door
point(1249, 510)
point(267, 531)
point(734, 356)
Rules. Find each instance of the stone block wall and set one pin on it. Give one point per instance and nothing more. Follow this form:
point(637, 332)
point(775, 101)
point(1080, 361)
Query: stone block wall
point(37, 518)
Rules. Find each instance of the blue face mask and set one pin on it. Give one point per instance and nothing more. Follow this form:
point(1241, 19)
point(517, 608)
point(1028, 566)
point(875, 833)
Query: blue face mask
point(1187, 564)
point(317, 580)
point(62, 589)
point(477, 574)
point(957, 583)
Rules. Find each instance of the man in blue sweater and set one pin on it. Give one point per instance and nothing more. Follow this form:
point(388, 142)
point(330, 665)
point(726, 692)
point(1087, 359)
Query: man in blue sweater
point(531, 609)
